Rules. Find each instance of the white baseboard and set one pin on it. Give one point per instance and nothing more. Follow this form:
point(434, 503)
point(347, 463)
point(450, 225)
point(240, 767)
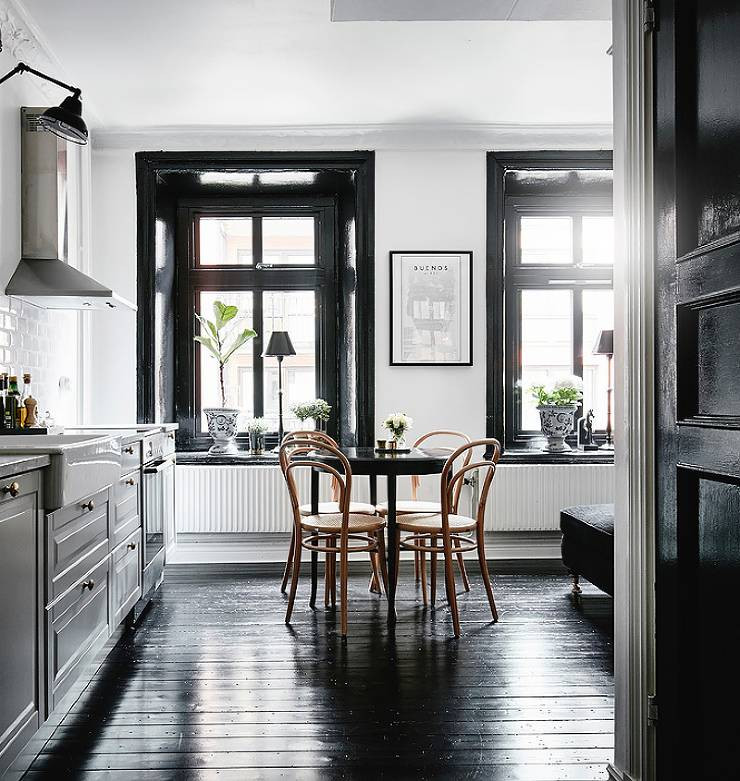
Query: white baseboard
point(252, 548)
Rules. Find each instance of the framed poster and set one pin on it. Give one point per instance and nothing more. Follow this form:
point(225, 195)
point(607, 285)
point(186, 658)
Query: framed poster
point(431, 308)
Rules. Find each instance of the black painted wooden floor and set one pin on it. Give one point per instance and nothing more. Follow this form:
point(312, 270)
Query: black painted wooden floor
point(213, 685)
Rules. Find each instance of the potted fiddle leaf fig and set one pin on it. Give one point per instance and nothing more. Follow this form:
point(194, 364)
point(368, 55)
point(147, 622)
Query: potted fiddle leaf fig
point(557, 404)
point(223, 338)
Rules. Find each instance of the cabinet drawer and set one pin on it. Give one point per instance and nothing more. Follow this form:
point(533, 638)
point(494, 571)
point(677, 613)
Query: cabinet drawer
point(125, 577)
point(21, 485)
point(77, 540)
point(130, 457)
point(125, 509)
point(76, 625)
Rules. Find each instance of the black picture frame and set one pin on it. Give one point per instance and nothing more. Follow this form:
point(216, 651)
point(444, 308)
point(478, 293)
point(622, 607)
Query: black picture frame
point(467, 255)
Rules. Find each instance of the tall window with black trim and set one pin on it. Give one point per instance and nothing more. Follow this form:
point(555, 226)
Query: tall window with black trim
point(276, 263)
point(558, 256)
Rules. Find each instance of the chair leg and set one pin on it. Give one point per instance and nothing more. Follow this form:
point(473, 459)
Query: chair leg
point(382, 559)
point(297, 547)
point(343, 567)
point(327, 575)
point(461, 564)
point(398, 553)
point(484, 571)
point(333, 573)
point(423, 568)
point(433, 568)
point(288, 563)
point(375, 579)
point(417, 572)
point(450, 584)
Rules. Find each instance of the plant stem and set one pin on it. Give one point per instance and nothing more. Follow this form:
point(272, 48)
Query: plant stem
point(221, 380)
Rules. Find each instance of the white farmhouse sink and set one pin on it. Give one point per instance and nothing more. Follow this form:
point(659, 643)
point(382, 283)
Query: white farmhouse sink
point(81, 464)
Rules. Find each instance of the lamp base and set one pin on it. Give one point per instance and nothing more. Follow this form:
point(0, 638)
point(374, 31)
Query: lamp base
point(607, 446)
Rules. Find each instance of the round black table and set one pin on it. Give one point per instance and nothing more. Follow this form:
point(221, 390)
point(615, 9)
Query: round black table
point(365, 461)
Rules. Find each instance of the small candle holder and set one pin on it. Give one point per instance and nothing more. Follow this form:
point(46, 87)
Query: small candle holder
point(382, 444)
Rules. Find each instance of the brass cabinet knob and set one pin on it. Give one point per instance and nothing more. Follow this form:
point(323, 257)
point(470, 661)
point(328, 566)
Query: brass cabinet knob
point(129, 450)
point(130, 481)
point(88, 584)
point(88, 505)
point(13, 489)
point(131, 546)
point(171, 435)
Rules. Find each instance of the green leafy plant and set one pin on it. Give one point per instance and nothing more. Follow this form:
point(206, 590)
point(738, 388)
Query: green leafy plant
point(562, 393)
point(222, 340)
point(317, 409)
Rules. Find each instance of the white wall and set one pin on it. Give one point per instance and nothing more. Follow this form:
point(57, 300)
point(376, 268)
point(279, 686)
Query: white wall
point(46, 344)
point(431, 200)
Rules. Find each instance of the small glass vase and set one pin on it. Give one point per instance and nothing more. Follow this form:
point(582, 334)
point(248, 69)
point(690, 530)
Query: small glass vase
point(256, 443)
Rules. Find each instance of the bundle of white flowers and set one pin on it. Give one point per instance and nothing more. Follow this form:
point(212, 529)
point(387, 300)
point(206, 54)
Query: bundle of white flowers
point(563, 392)
point(398, 423)
point(257, 426)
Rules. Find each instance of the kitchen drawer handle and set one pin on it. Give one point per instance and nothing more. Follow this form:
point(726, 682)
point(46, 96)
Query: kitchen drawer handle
point(129, 450)
point(13, 489)
point(130, 481)
point(171, 435)
point(88, 584)
point(131, 546)
point(88, 505)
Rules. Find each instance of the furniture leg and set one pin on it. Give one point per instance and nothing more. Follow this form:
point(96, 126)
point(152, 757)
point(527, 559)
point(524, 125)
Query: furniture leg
point(327, 576)
point(343, 567)
point(294, 581)
point(375, 578)
point(576, 581)
point(288, 563)
point(314, 577)
point(381, 559)
point(423, 568)
point(417, 574)
point(484, 570)
point(433, 568)
point(333, 574)
point(450, 583)
point(461, 564)
point(392, 549)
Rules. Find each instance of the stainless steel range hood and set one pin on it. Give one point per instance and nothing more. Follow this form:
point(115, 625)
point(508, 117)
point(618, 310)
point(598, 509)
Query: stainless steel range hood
point(43, 278)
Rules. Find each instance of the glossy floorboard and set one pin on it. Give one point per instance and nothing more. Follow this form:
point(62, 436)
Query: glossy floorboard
point(213, 685)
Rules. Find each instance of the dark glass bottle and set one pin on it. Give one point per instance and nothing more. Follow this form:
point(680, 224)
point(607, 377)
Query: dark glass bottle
point(12, 402)
point(3, 383)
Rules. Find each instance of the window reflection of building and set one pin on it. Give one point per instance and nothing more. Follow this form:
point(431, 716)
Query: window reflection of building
point(430, 306)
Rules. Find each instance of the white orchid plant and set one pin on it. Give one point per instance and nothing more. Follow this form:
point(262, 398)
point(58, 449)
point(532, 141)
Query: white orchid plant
point(562, 393)
point(216, 337)
point(398, 423)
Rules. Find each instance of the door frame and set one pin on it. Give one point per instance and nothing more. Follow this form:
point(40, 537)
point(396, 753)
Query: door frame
point(634, 633)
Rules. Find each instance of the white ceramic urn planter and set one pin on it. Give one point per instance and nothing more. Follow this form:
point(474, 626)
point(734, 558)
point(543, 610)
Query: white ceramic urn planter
point(222, 426)
point(557, 422)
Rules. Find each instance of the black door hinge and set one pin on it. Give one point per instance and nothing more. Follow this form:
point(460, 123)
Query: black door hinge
point(650, 23)
point(652, 709)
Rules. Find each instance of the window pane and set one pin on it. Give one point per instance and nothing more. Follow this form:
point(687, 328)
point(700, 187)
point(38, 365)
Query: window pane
point(288, 241)
point(225, 241)
point(547, 344)
point(294, 312)
point(546, 240)
point(598, 241)
point(238, 372)
point(598, 314)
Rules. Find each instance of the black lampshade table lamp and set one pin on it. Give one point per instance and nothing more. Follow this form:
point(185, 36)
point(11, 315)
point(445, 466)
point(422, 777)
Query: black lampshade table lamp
point(64, 120)
point(278, 347)
point(605, 346)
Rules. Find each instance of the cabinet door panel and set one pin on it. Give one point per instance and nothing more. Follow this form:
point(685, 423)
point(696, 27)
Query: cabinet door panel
point(125, 578)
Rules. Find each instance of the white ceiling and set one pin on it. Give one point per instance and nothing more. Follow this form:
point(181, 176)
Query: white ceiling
point(491, 10)
point(148, 63)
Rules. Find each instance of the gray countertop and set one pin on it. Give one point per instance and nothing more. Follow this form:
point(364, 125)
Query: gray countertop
point(10, 466)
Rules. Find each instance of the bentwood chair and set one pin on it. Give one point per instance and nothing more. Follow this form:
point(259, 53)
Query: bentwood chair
point(457, 533)
point(414, 505)
point(324, 507)
point(342, 533)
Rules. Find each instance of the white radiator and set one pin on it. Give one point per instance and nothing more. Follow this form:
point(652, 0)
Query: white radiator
point(213, 499)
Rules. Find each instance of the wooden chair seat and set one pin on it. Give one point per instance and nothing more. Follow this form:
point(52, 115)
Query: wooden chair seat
point(331, 523)
point(365, 508)
point(410, 506)
point(432, 524)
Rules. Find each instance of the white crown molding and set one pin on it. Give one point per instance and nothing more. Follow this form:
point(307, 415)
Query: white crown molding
point(23, 40)
point(442, 136)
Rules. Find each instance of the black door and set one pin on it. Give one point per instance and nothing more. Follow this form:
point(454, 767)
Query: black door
point(697, 177)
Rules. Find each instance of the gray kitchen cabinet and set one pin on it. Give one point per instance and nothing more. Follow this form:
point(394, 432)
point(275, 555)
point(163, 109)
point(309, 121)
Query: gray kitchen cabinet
point(21, 614)
point(125, 577)
point(126, 510)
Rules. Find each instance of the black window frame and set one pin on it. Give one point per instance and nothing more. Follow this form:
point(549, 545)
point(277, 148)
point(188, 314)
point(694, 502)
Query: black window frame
point(257, 277)
point(507, 276)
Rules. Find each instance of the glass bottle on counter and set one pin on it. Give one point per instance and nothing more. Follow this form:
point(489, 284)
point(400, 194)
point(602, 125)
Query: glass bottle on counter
point(12, 402)
point(28, 414)
point(3, 390)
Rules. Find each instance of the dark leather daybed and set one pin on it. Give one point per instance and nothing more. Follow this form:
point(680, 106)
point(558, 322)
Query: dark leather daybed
point(588, 544)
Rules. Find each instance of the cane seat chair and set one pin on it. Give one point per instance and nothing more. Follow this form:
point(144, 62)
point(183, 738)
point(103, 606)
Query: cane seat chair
point(415, 505)
point(324, 507)
point(449, 533)
point(342, 533)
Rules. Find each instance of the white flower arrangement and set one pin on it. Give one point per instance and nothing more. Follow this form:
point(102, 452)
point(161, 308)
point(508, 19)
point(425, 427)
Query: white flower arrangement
point(563, 392)
point(398, 423)
point(257, 426)
point(316, 409)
